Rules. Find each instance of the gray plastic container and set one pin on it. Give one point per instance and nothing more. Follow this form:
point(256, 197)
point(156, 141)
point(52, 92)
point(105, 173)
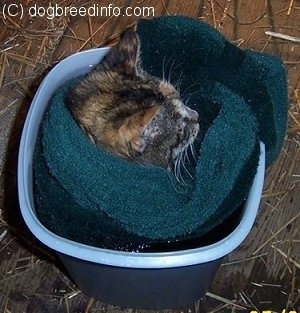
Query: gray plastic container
point(137, 280)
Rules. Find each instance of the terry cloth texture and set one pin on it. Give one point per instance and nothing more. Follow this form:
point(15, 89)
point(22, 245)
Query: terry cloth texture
point(85, 194)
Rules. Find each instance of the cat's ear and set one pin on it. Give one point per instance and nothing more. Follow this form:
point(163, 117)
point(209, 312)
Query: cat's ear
point(133, 130)
point(138, 144)
point(124, 58)
point(143, 121)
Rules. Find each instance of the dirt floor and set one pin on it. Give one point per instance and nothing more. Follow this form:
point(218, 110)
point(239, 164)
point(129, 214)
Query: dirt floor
point(262, 275)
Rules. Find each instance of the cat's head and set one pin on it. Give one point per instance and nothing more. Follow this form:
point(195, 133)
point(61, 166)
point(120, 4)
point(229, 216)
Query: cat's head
point(165, 140)
point(153, 124)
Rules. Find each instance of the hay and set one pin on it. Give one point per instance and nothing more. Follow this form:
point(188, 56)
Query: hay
point(228, 302)
point(283, 36)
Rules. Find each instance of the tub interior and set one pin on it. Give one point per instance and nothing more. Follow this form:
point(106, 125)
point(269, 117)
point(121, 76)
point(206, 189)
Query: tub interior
point(191, 251)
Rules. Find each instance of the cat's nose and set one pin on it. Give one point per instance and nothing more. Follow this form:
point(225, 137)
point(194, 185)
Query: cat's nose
point(194, 116)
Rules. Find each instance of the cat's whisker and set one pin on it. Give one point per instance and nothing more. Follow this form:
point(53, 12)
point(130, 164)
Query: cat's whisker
point(186, 90)
point(177, 173)
point(181, 165)
point(177, 84)
point(191, 146)
point(170, 71)
point(186, 100)
point(172, 68)
point(182, 181)
point(187, 171)
point(186, 97)
point(186, 156)
point(164, 68)
point(189, 161)
point(179, 79)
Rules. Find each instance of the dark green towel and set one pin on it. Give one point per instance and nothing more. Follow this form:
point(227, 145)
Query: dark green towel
point(85, 194)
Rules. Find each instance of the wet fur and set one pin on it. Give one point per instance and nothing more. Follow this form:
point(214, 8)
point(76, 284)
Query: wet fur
point(132, 114)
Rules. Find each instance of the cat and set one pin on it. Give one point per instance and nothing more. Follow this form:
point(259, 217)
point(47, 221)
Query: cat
point(132, 114)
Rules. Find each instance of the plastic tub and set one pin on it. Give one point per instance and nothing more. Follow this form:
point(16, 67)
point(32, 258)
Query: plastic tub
point(138, 280)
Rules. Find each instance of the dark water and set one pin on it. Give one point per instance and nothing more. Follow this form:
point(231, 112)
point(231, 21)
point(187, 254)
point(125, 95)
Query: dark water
point(213, 236)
